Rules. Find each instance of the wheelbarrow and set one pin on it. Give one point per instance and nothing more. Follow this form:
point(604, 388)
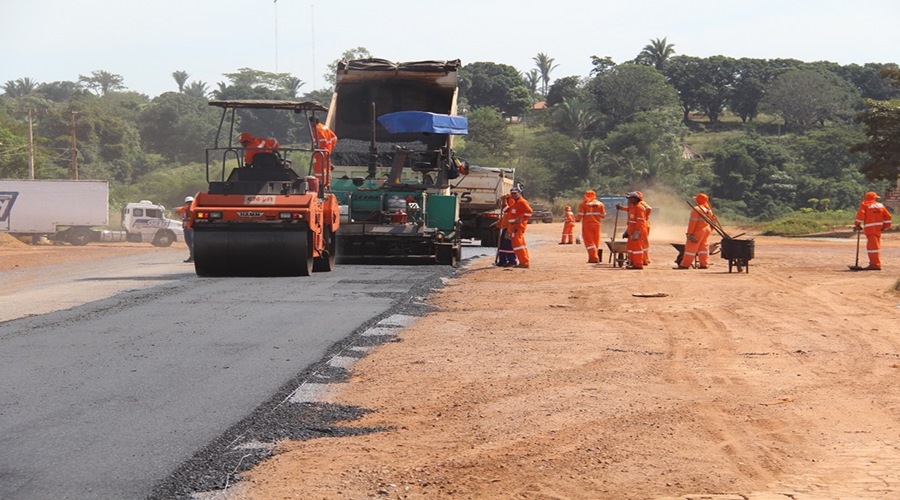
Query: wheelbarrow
point(738, 253)
point(618, 253)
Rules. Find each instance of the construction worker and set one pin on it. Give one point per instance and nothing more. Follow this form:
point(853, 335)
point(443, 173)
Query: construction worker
point(872, 218)
point(185, 212)
point(635, 230)
point(255, 145)
point(517, 217)
point(506, 256)
point(324, 140)
point(568, 231)
point(591, 213)
point(697, 244)
point(645, 239)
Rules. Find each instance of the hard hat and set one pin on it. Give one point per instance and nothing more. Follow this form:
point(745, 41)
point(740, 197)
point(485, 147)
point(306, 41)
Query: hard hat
point(188, 199)
point(634, 194)
point(515, 190)
point(568, 208)
point(640, 194)
point(590, 193)
point(245, 137)
point(872, 195)
point(701, 198)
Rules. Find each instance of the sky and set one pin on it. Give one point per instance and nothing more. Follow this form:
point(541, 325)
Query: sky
point(146, 41)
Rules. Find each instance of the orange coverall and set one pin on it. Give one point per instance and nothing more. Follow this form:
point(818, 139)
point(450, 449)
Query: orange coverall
point(697, 243)
point(255, 145)
point(325, 139)
point(568, 228)
point(645, 239)
point(591, 213)
point(517, 217)
point(872, 217)
point(506, 257)
point(637, 230)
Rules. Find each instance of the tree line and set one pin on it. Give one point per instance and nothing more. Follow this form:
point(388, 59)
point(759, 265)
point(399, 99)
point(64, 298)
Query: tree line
point(763, 136)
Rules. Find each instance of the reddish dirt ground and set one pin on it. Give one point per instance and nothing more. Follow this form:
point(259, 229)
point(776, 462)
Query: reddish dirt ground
point(575, 380)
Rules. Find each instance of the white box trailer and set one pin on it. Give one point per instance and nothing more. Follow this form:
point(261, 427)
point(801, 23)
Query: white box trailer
point(69, 211)
point(46, 206)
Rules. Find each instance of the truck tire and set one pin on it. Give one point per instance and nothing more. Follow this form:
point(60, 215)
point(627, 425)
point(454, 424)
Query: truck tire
point(80, 236)
point(164, 238)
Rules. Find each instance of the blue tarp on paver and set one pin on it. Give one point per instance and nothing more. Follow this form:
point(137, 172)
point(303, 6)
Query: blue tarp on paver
point(422, 121)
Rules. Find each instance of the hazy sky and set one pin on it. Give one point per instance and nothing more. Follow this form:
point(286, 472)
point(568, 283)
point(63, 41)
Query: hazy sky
point(145, 41)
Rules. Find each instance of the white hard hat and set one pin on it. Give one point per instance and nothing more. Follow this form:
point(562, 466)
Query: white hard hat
point(188, 199)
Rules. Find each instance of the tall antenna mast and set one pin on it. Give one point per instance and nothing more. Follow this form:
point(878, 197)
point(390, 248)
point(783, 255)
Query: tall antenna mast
point(312, 17)
point(276, 36)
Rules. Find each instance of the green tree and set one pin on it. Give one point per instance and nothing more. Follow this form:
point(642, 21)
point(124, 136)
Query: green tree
point(181, 78)
point(575, 117)
point(20, 88)
point(656, 53)
point(628, 89)
point(881, 120)
point(102, 82)
point(531, 81)
point(292, 85)
point(545, 66)
point(61, 91)
point(488, 129)
point(601, 65)
point(178, 127)
point(807, 97)
point(487, 84)
point(752, 174)
point(197, 88)
point(569, 87)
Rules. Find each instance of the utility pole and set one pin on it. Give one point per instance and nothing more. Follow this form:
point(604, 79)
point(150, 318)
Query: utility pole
point(30, 147)
point(74, 149)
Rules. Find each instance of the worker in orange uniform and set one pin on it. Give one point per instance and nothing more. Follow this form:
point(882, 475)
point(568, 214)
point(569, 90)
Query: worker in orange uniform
point(568, 236)
point(255, 145)
point(645, 239)
point(517, 217)
point(698, 231)
point(872, 218)
point(185, 212)
point(506, 256)
point(635, 231)
point(324, 140)
point(591, 213)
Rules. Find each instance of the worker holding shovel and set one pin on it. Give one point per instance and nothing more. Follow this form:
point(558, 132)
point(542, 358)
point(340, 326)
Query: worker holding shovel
point(635, 230)
point(872, 218)
point(697, 244)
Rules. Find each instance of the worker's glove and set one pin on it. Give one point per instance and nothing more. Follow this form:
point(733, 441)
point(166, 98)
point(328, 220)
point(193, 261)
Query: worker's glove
point(509, 235)
point(857, 229)
point(636, 235)
point(619, 206)
point(692, 238)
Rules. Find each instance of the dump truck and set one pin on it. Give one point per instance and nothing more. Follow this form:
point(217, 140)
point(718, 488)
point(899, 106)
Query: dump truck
point(394, 161)
point(259, 217)
point(76, 212)
point(480, 191)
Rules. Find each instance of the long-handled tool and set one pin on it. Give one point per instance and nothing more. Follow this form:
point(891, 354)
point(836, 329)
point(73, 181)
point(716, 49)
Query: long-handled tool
point(612, 244)
point(856, 267)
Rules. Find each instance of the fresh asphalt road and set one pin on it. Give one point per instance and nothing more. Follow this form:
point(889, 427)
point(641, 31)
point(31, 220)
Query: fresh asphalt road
point(106, 398)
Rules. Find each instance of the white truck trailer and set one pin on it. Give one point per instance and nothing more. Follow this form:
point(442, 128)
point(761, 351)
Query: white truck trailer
point(480, 190)
point(71, 211)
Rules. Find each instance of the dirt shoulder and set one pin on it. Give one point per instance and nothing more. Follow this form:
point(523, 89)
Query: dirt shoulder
point(561, 381)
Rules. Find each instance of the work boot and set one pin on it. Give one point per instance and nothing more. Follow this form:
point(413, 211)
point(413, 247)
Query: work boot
point(522, 266)
point(680, 267)
point(189, 259)
point(872, 268)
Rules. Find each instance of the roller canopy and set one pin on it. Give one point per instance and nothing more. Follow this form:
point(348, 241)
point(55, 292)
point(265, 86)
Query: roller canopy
point(421, 121)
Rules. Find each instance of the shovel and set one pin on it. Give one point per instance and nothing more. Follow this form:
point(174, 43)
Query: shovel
point(855, 267)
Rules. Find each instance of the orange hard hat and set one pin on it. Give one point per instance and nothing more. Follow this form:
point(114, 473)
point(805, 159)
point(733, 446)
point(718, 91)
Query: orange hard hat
point(872, 195)
point(701, 198)
point(245, 137)
point(634, 194)
point(568, 208)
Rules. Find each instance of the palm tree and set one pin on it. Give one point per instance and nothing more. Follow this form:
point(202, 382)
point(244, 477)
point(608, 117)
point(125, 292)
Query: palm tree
point(197, 89)
point(656, 53)
point(20, 88)
point(575, 117)
point(544, 66)
point(292, 84)
point(181, 78)
point(531, 82)
point(588, 153)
